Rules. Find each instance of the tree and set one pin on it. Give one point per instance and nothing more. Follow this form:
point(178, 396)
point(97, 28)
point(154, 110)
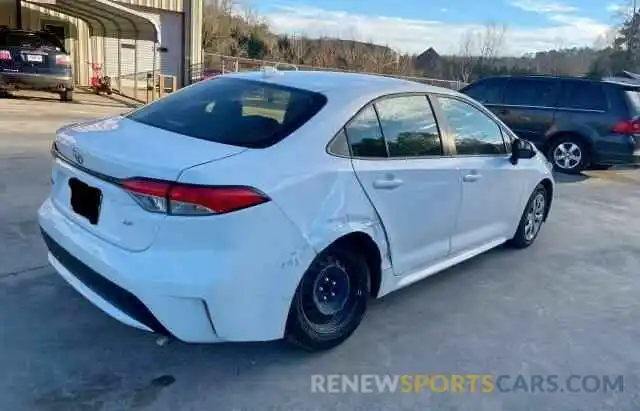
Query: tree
point(628, 42)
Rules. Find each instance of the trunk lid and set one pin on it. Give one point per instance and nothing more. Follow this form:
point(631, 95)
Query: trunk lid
point(94, 156)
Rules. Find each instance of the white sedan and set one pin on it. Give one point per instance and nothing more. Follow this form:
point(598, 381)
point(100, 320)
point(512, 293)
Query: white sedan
point(257, 206)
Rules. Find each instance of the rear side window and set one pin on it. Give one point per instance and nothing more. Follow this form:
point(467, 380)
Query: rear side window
point(633, 96)
point(365, 136)
point(531, 92)
point(232, 111)
point(487, 91)
point(582, 95)
point(31, 41)
point(409, 126)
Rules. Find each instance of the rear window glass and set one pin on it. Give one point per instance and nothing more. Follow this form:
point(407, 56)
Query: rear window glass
point(31, 40)
point(232, 111)
point(583, 95)
point(634, 101)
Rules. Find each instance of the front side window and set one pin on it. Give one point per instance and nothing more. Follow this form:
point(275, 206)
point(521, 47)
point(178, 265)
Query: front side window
point(233, 111)
point(365, 136)
point(582, 95)
point(409, 126)
point(475, 133)
point(531, 92)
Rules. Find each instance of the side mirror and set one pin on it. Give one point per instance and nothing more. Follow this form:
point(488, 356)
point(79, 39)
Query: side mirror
point(521, 149)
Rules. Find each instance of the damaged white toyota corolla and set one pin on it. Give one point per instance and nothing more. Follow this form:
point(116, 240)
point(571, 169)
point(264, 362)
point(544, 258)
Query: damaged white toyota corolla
point(257, 206)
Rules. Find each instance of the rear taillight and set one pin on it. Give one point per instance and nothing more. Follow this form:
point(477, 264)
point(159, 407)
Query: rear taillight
point(187, 199)
point(63, 60)
point(5, 55)
point(627, 127)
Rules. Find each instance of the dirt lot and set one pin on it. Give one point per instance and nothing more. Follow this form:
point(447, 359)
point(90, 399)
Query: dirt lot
point(568, 305)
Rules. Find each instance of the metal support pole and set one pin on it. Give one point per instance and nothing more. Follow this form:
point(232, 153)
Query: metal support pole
point(19, 14)
point(119, 61)
point(155, 56)
point(135, 69)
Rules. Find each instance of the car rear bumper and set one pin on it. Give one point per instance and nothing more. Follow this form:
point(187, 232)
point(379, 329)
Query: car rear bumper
point(43, 82)
point(618, 150)
point(193, 296)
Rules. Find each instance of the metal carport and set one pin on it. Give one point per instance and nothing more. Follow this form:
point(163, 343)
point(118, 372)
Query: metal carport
point(108, 20)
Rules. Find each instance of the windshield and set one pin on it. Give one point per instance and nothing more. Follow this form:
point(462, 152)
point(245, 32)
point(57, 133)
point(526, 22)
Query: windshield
point(233, 111)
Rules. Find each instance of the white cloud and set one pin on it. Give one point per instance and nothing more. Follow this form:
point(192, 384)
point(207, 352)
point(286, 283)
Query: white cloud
point(415, 36)
point(444, 10)
point(543, 7)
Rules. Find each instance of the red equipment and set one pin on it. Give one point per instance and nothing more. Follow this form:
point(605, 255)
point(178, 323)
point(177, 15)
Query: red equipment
point(100, 83)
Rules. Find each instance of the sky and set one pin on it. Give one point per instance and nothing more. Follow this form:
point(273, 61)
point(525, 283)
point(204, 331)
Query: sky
point(414, 25)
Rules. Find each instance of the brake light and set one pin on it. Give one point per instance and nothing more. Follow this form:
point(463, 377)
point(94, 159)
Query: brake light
point(187, 199)
point(63, 60)
point(5, 55)
point(627, 127)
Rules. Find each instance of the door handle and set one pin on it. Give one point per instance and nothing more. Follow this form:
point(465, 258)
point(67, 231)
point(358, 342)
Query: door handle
point(387, 183)
point(471, 178)
point(503, 111)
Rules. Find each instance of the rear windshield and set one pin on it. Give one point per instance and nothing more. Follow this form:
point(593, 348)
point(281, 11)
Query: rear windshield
point(634, 101)
point(233, 111)
point(31, 40)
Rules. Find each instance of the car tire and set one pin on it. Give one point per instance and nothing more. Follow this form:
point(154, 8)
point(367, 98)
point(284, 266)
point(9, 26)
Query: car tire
point(330, 300)
point(66, 95)
point(532, 219)
point(569, 155)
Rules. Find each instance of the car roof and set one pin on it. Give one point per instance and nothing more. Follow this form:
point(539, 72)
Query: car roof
point(345, 84)
point(609, 80)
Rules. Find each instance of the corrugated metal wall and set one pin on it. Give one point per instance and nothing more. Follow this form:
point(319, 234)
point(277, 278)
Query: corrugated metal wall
point(171, 5)
point(77, 43)
point(84, 48)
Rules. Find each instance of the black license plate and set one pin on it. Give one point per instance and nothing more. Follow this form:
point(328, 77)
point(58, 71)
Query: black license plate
point(85, 200)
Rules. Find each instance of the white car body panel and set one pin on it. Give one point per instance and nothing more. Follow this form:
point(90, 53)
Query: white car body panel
point(231, 277)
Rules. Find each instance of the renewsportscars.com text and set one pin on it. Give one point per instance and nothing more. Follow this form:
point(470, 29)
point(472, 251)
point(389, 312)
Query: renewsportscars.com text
point(466, 383)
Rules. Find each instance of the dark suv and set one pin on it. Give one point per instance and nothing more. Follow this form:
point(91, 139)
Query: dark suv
point(34, 60)
point(578, 123)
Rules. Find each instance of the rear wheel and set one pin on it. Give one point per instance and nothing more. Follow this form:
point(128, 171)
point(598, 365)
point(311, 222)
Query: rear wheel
point(569, 155)
point(66, 95)
point(330, 301)
point(532, 219)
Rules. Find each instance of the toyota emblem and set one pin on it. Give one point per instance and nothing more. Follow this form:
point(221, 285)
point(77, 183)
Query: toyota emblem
point(77, 156)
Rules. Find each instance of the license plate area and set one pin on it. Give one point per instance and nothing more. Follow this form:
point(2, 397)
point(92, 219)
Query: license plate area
point(85, 200)
point(34, 58)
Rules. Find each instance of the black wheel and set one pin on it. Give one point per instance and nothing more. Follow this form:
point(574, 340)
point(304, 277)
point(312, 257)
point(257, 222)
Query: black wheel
point(532, 219)
point(66, 95)
point(4, 94)
point(330, 301)
point(569, 155)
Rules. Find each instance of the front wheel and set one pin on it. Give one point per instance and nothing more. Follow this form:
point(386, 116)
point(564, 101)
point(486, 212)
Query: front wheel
point(330, 300)
point(532, 219)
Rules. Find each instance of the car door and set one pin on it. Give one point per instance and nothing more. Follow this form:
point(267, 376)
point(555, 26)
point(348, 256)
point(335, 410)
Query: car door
point(491, 185)
point(529, 107)
point(397, 155)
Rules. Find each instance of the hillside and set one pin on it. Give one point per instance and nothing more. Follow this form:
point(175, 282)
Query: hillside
point(246, 35)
